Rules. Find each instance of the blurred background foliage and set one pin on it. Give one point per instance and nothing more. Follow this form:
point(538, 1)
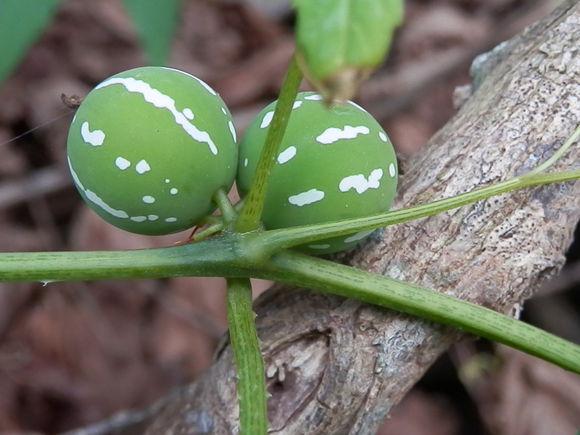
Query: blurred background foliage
point(74, 353)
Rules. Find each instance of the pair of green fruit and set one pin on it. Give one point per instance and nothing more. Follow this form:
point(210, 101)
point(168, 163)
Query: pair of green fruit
point(149, 147)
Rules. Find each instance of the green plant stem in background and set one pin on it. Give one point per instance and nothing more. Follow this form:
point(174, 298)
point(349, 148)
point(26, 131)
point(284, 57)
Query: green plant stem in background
point(289, 237)
point(251, 384)
point(316, 273)
point(250, 217)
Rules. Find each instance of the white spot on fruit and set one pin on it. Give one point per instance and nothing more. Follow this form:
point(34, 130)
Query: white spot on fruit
point(358, 236)
point(314, 97)
point(167, 181)
point(287, 155)
point(139, 218)
point(94, 138)
point(305, 198)
point(296, 104)
point(323, 246)
point(171, 219)
point(188, 113)
point(333, 134)
point(392, 170)
point(162, 101)
point(122, 163)
point(152, 217)
point(173, 191)
point(360, 183)
point(383, 136)
point(142, 167)
point(267, 119)
point(246, 162)
point(148, 199)
point(232, 130)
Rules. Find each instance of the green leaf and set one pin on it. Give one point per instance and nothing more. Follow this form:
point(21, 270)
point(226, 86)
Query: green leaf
point(341, 41)
point(155, 21)
point(21, 23)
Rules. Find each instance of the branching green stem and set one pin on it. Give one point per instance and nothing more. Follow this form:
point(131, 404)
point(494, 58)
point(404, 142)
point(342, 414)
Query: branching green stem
point(294, 236)
point(248, 358)
point(302, 270)
point(250, 217)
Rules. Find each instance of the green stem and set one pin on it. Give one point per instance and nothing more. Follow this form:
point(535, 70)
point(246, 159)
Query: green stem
point(248, 358)
point(276, 240)
point(558, 154)
point(298, 269)
point(218, 256)
point(251, 214)
point(228, 256)
point(229, 214)
point(208, 232)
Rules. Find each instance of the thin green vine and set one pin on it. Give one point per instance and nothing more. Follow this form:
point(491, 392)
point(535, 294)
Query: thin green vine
point(248, 358)
point(316, 273)
point(251, 384)
point(289, 237)
point(250, 216)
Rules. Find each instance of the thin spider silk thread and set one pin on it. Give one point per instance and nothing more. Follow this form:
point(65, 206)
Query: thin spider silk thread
point(38, 127)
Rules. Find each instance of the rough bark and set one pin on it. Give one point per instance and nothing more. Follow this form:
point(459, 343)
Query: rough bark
point(338, 366)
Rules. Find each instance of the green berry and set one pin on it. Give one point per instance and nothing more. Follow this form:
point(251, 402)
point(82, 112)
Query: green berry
point(149, 147)
point(334, 163)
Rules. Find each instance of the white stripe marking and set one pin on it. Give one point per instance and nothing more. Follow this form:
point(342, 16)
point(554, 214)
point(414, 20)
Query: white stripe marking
point(94, 198)
point(161, 101)
point(232, 130)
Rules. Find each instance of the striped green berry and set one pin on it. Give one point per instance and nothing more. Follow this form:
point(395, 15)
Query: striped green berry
point(149, 147)
point(334, 163)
